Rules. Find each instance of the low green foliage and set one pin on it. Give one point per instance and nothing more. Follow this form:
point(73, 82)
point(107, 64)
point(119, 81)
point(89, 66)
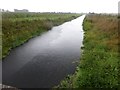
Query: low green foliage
point(19, 27)
point(99, 64)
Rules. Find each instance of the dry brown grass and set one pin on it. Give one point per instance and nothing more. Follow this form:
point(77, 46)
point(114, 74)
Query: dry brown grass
point(108, 25)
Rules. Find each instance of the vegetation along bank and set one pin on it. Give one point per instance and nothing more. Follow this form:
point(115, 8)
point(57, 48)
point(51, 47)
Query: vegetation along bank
point(99, 65)
point(18, 28)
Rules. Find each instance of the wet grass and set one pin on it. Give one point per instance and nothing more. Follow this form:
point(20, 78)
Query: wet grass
point(18, 28)
point(99, 65)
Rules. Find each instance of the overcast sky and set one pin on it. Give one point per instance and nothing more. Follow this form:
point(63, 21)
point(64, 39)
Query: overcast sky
point(98, 6)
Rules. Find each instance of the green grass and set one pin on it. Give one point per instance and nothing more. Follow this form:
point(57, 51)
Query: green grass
point(17, 28)
point(99, 65)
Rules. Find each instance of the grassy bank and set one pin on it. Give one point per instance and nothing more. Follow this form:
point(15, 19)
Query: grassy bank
point(19, 27)
point(99, 65)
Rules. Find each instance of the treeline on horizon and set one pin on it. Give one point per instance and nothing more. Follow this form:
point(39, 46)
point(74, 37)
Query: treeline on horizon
point(30, 14)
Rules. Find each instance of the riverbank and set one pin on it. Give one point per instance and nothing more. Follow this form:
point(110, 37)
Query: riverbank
point(18, 28)
point(98, 67)
point(46, 59)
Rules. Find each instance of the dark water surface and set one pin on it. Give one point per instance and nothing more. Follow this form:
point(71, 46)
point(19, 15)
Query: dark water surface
point(45, 60)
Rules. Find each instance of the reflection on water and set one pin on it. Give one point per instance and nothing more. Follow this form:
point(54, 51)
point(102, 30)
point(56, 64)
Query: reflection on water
point(47, 59)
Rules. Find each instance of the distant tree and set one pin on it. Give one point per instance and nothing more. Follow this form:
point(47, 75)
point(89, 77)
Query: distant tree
point(3, 10)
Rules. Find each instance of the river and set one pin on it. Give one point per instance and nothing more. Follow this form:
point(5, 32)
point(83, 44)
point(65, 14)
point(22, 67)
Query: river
point(45, 60)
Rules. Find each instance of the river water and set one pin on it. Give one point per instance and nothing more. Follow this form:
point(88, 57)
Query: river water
point(45, 60)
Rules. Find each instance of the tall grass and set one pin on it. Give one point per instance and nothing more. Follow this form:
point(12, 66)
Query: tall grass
point(19, 27)
point(99, 65)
